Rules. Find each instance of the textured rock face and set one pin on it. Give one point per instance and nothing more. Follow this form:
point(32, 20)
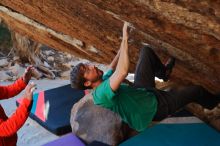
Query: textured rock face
point(91, 122)
point(188, 30)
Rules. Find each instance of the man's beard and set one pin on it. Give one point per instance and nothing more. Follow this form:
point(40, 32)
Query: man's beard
point(100, 74)
point(97, 79)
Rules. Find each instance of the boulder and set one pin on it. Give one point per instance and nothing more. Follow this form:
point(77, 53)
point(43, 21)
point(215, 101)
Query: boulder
point(16, 70)
point(4, 76)
point(91, 122)
point(65, 75)
point(50, 58)
point(4, 62)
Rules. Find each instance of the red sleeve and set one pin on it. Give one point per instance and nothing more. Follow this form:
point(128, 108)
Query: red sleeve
point(17, 120)
point(12, 90)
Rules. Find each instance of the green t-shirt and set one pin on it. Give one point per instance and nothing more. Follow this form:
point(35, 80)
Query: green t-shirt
point(136, 106)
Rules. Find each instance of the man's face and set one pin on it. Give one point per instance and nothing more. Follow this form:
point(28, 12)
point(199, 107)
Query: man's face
point(92, 73)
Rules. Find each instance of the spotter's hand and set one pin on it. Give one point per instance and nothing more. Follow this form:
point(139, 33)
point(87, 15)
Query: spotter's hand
point(29, 91)
point(28, 74)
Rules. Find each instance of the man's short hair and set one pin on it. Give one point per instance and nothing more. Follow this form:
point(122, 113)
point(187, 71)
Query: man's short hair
point(77, 79)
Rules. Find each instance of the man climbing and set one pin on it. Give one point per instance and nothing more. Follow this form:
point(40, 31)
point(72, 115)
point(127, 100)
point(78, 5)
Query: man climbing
point(141, 103)
point(10, 126)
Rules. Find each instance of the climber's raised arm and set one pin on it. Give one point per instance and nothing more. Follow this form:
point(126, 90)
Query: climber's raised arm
point(122, 67)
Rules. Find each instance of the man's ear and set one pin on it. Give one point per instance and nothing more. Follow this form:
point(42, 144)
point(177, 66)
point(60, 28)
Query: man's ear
point(87, 83)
